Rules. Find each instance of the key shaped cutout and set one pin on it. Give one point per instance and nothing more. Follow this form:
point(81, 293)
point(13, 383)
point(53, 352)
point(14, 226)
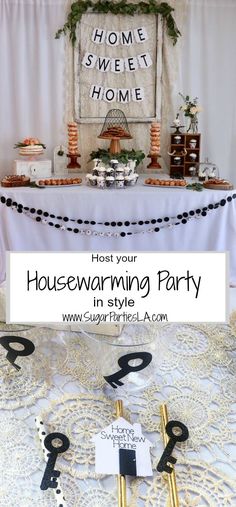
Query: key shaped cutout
point(12, 354)
point(166, 456)
point(50, 474)
point(115, 379)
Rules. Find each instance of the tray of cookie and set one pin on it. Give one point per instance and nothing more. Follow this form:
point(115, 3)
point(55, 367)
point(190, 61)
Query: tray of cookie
point(170, 183)
point(58, 182)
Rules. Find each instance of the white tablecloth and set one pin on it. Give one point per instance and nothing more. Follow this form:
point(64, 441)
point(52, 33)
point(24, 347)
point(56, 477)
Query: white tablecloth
point(215, 232)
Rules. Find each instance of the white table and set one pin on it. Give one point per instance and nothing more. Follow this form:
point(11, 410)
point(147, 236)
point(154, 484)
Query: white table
point(215, 232)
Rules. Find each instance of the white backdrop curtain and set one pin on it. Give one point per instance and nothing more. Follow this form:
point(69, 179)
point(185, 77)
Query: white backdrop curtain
point(32, 75)
point(32, 68)
point(208, 64)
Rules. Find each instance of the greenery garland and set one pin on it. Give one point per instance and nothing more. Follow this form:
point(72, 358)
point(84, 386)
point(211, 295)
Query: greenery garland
point(80, 7)
point(105, 156)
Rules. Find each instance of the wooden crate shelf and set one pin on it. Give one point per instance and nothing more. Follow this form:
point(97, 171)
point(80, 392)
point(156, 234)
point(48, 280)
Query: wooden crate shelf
point(180, 144)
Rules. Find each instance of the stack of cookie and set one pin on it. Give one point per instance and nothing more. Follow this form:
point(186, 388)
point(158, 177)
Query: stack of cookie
point(155, 132)
point(72, 138)
point(115, 132)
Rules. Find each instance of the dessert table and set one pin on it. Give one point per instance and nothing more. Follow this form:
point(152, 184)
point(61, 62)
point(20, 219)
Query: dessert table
point(139, 218)
point(195, 368)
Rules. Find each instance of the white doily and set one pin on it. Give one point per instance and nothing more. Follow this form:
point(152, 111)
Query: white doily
point(198, 484)
point(195, 374)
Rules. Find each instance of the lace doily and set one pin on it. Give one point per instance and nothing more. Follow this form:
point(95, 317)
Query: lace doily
point(23, 387)
point(19, 461)
point(200, 409)
point(233, 322)
point(195, 374)
point(103, 498)
point(80, 364)
point(198, 484)
point(10, 493)
point(190, 348)
point(79, 417)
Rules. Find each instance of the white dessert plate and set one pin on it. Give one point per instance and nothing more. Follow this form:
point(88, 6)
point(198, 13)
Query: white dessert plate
point(165, 186)
point(57, 185)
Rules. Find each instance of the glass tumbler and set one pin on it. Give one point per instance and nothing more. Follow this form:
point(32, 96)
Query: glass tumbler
point(126, 361)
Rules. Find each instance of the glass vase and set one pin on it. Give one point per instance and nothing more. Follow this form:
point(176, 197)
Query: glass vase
point(192, 125)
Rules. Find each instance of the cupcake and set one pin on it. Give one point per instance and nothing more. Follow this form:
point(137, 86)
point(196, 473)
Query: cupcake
point(120, 171)
point(110, 171)
point(120, 181)
point(101, 170)
point(101, 182)
point(93, 180)
point(128, 180)
point(110, 180)
point(114, 163)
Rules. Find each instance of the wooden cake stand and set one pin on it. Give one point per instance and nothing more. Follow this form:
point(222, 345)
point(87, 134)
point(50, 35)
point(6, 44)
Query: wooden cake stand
point(220, 186)
point(154, 164)
point(73, 164)
point(115, 142)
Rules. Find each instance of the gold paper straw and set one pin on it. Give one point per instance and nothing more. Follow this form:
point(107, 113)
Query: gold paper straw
point(173, 492)
point(121, 481)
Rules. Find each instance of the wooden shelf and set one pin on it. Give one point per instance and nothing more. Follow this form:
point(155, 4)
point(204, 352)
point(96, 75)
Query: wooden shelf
point(186, 163)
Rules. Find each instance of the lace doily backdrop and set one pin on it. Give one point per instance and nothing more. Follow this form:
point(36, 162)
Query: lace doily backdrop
point(167, 72)
point(195, 374)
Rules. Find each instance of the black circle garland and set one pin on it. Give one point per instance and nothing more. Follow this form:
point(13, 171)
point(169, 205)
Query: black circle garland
point(40, 216)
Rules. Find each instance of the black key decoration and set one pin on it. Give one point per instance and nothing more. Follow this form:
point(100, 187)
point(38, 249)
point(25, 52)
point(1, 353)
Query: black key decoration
point(115, 379)
point(12, 353)
point(50, 474)
point(174, 438)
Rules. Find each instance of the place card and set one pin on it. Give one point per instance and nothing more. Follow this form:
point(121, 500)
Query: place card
point(122, 449)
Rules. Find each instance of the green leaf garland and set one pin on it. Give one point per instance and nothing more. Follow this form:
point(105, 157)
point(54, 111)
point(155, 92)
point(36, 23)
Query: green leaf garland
point(122, 157)
point(80, 7)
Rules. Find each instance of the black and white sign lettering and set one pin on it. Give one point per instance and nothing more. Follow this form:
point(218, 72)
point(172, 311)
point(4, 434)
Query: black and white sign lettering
point(127, 38)
point(99, 36)
point(137, 94)
point(131, 64)
point(110, 94)
point(122, 448)
point(123, 95)
point(103, 64)
point(140, 35)
point(144, 60)
point(117, 65)
point(115, 38)
point(89, 60)
point(96, 92)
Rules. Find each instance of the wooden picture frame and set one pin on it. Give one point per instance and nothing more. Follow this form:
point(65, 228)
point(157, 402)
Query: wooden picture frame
point(81, 89)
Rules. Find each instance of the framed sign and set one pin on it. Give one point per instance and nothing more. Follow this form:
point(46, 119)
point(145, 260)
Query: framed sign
point(118, 64)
